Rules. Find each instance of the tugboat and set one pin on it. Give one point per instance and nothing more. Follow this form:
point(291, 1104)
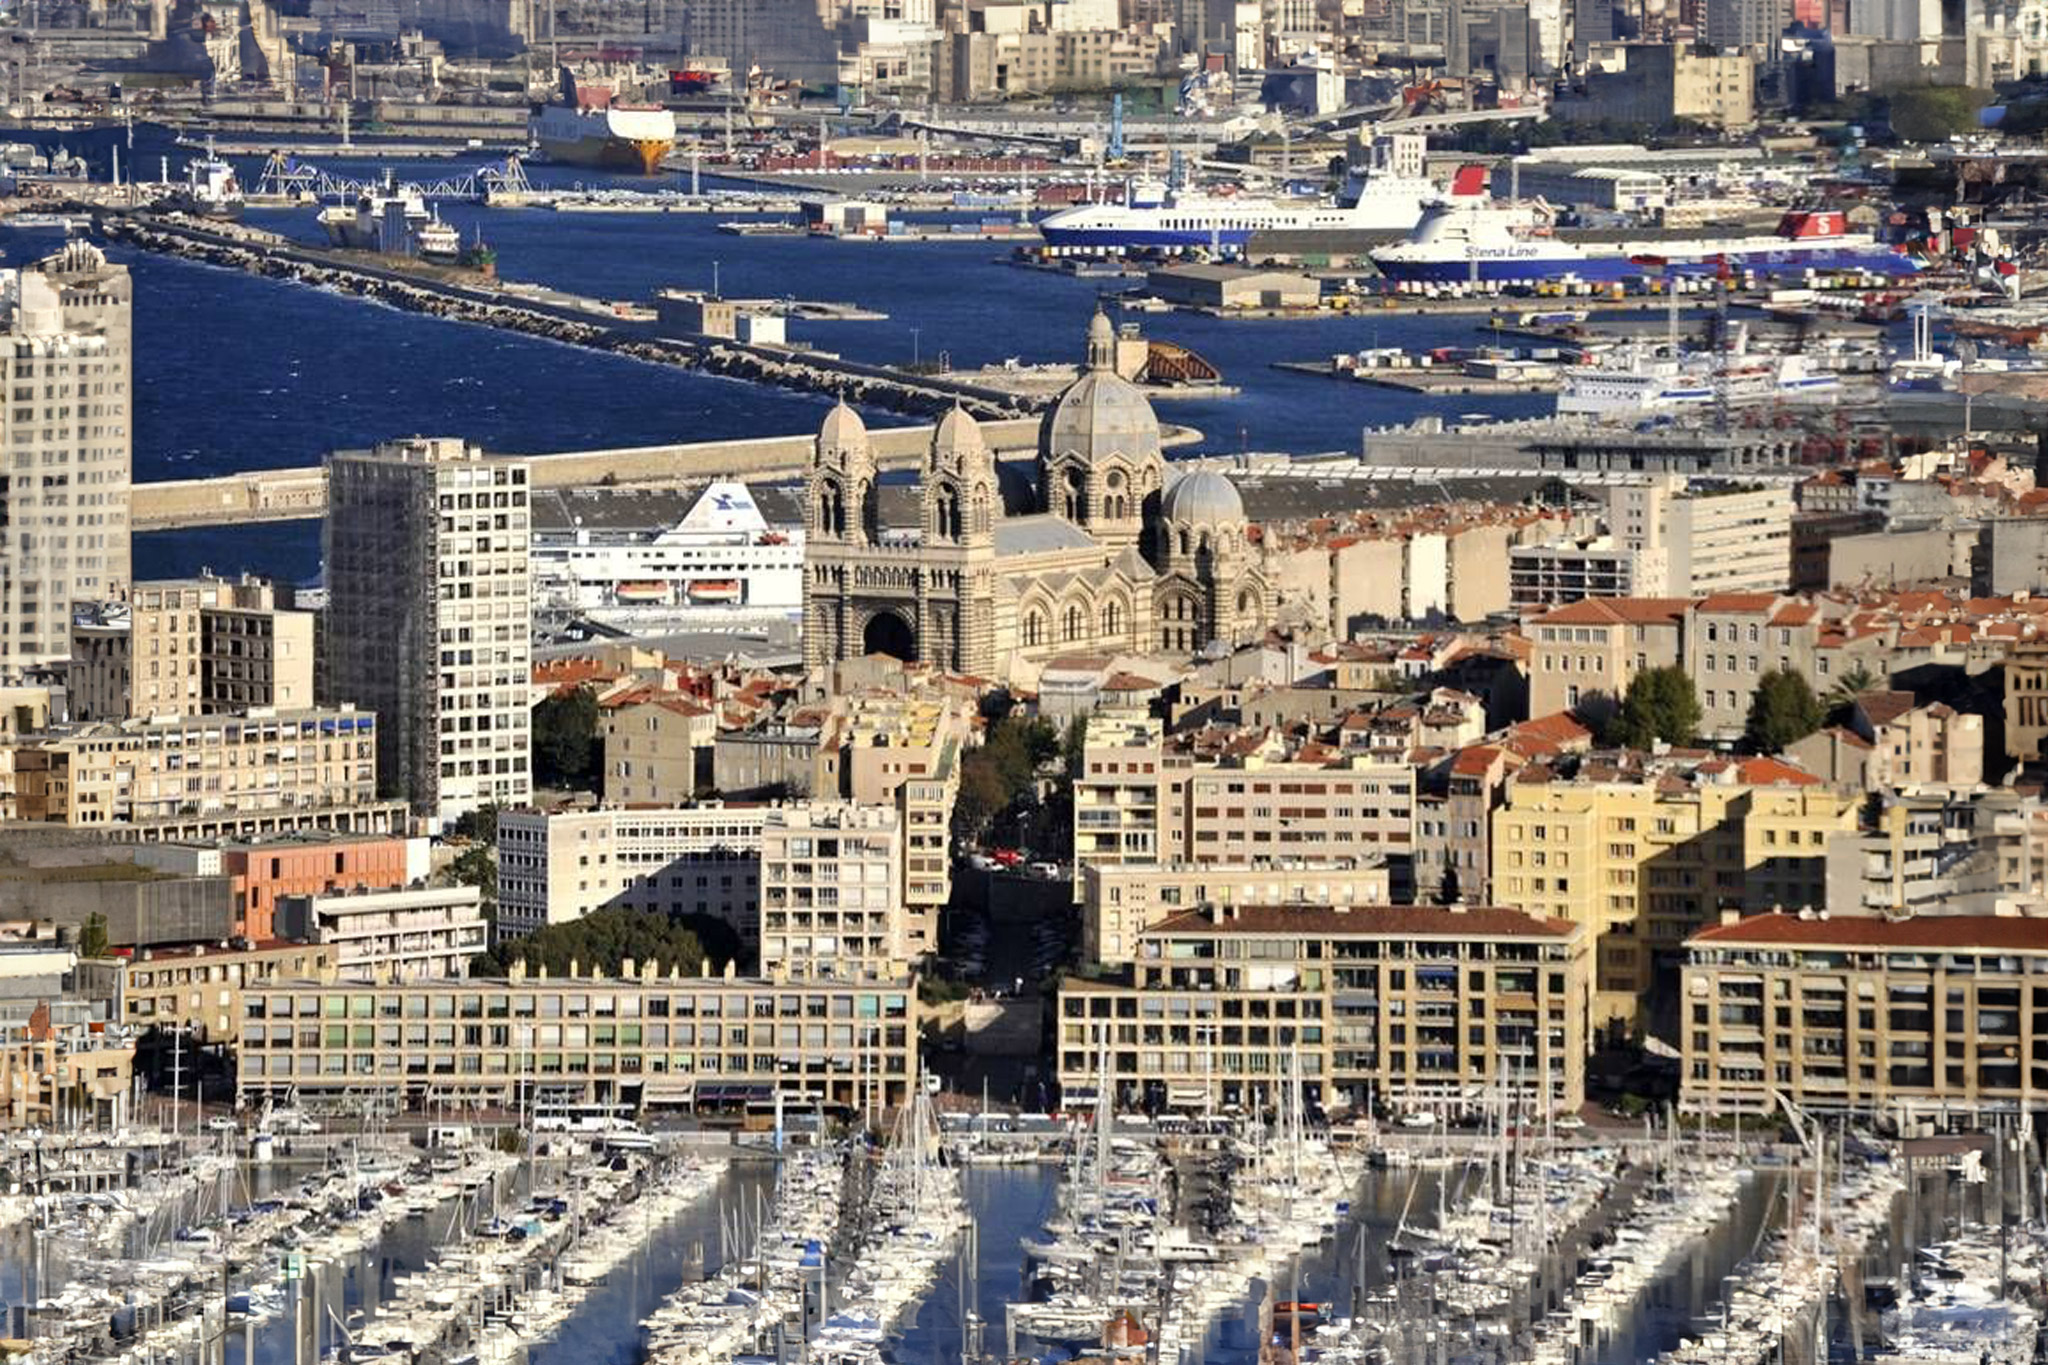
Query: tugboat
point(479, 256)
point(210, 189)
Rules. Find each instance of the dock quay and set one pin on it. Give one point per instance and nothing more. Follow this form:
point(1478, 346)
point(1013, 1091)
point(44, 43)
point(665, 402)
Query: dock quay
point(1448, 381)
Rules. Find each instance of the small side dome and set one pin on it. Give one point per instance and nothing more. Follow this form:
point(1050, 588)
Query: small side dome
point(1202, 498)
point(960, 432)
point(843, 428)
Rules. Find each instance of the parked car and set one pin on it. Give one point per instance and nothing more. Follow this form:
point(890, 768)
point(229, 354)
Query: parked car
point(1046, 872)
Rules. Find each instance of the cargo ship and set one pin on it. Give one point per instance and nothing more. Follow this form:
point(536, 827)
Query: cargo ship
point(588, 128)
point(1465, 241)
point(210, 189)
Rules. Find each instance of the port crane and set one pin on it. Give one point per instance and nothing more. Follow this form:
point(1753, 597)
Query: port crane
point(287, 177)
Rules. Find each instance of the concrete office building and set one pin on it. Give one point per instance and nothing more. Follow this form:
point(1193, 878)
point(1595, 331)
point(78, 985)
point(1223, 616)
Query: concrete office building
point(1406, 1007)
point(66, 370)
point(429, 618)
point(1931, 1019)
point(636, 1042)
point(558, 866)
point(188, 647)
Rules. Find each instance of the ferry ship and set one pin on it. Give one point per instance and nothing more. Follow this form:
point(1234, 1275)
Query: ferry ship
point(1381, 205)
point(1633, 383)
point(1469, 240)
point(624, 555)
point(589, 129)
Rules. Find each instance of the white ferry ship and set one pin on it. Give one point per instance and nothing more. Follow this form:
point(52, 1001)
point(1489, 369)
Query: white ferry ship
point(589, 128)
point(1385, 203)
point(1475, 241)
point(1633, 383)
point(626, 555)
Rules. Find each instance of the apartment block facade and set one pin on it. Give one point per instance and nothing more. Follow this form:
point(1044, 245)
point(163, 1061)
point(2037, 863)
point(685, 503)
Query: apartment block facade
point(1140, 798)
point(1371, 1007)
point(637, 1041)
point(831, 902)
point(206, 776)
point(202, 646)
point(1119, 901)
point(429, 618)
point(1934, 1018)
point(411, 934)
point(1643, 866)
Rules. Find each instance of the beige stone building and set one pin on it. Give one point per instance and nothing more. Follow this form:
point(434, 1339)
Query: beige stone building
point(202, 776)
point(1645, 862)
point(1372, 1007)
point(1928, 1019)
point(637, 1042)
point(1120, 901)
point(200, 646)
point(1103, 553)
point(2026, 700)
point(199, 988)
point(1585, 654)
point(1919, 745)
point(67, 374)
point(657, 748)
point(1710, 536)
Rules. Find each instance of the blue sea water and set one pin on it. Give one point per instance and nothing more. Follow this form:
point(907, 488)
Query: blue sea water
point(234, 372)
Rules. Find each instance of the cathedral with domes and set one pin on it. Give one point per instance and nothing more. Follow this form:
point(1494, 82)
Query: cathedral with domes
point(1103, 552)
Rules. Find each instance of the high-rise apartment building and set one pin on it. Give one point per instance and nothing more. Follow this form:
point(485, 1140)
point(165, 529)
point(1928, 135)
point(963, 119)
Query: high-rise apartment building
point(65, 424)
point(429, 617)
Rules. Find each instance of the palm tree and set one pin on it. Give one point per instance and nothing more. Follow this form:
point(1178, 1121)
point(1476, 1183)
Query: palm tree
point(1842, 696)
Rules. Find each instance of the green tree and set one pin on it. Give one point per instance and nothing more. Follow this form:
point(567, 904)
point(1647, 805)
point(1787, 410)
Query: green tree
point(1936, 113)
point(1661, 704)
point(1783, 711)
point(479, 825)
point(567, 751)
point(1075, 746)
point(477, 866)
point(604, 939)
point(92, 936)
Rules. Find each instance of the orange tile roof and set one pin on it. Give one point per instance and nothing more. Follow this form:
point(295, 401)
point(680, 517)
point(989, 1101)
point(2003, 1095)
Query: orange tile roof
point(1739, 602)
point(1919, 931)
point(1772, 772)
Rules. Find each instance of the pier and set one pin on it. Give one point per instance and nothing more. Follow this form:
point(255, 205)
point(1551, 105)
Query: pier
point(553, 315)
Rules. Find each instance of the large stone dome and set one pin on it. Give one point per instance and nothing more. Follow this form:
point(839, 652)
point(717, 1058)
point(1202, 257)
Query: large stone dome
point(1101, 413)
point(1202, 497)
